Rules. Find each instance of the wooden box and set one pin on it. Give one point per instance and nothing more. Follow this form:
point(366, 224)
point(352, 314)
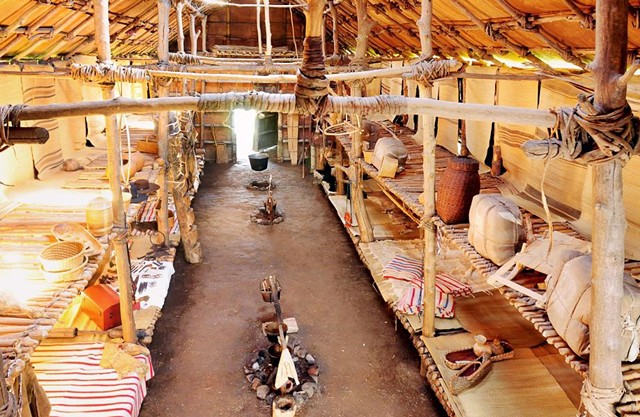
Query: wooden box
point(102, 305)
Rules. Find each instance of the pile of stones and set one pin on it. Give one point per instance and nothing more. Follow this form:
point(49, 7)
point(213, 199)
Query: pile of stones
point(262, 369)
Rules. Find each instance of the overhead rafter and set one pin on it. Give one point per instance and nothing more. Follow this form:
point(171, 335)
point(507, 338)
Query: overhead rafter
point(498, 36)
point(541, 34)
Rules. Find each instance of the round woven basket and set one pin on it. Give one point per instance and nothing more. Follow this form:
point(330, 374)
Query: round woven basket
point(65, 276)
point(457, 186)
point(62, 256)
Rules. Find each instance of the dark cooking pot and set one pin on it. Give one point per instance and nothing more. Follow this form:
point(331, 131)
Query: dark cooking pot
point(259, 161)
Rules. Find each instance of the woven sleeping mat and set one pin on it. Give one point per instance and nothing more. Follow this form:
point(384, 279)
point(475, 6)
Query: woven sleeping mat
point(494, 317)
point(521, 386)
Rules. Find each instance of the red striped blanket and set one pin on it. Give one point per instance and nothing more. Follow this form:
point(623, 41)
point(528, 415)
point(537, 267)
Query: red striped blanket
point(76, 384)
point(408, 270)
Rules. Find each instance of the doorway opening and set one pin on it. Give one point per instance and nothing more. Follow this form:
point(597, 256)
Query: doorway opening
point(254, 132)
point(244, 127)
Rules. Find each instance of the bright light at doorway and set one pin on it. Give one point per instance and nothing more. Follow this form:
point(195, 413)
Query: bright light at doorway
point(244, 122)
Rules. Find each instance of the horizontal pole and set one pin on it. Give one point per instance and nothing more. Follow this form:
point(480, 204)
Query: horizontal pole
point(275, 6)
point(285, 103)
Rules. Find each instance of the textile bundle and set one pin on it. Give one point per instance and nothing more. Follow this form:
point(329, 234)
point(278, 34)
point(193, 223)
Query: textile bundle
point(408, 271)
point(77, 385)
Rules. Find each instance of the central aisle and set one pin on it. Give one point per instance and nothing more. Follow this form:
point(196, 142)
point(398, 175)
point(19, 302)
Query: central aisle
point(212, 316)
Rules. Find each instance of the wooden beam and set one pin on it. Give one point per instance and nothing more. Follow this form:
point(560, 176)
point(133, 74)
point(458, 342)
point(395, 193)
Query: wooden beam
point(608, 223)
point(365, 25)
point(586, 20)
point(286, 104)
point(123, 267)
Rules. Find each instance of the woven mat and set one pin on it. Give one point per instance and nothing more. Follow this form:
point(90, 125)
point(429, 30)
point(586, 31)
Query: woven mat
point(521, 386)
point(494, 317)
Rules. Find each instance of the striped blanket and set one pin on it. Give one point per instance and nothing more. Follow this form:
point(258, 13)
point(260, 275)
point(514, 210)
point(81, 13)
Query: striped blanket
point(77, 385)
point(147, 213)
point(406, 270)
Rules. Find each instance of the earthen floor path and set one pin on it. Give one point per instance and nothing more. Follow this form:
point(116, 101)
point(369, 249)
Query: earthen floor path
point(211, 319)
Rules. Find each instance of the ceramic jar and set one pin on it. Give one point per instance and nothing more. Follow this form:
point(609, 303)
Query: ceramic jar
point(481, 347)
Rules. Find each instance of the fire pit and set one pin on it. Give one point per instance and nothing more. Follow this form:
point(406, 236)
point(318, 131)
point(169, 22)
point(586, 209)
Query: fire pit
point(263, 184)
point(284, 374)
point(264, 217)
point(262, 369)
point(268, 214)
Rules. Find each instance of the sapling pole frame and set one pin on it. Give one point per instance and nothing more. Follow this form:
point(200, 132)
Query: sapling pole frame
point(123, 267)
point(335, 104)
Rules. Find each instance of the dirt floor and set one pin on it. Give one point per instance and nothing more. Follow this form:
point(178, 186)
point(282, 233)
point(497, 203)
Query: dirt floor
point(211, 322)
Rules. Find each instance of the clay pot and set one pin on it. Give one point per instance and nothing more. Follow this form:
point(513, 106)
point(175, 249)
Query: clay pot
point(272, 332)
point(481, 347)
point(284, 406)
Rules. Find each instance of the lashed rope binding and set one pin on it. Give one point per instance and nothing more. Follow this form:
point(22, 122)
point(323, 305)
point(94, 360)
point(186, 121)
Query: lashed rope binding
point(312, 86)
point(10, 408)
point(108, 74)
point(184, 58)
point(426, 71)
point(8, 113)
point(614, 133)
point(598, 401)
point(583, 134)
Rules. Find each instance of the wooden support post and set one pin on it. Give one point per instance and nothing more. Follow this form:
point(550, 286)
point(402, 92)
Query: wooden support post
point(608, 224)
point(429, 168)
point(123, 267)
point(280, 145)
point(163, 120)
point(340, 188)
point(334, 30)
point(193, 34)
point(268, 59)
point(203, 90)
point(259, 25)
point(324, 37)
point(179, 8)
point(357, 189)
point(365, 24)
point(203, 24)
point(293, 130)
point(179, 158)
point(464, 149)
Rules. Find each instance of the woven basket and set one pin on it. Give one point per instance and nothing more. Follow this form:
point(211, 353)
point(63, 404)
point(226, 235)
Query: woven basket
point(64, 276)
point(458, 359)
point(62, 256)
point(77, 233)
point(470, 375)
point(457, 186)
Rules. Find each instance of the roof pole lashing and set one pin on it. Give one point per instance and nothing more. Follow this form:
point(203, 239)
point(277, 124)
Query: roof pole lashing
point(584, 135)
point(311, 88)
